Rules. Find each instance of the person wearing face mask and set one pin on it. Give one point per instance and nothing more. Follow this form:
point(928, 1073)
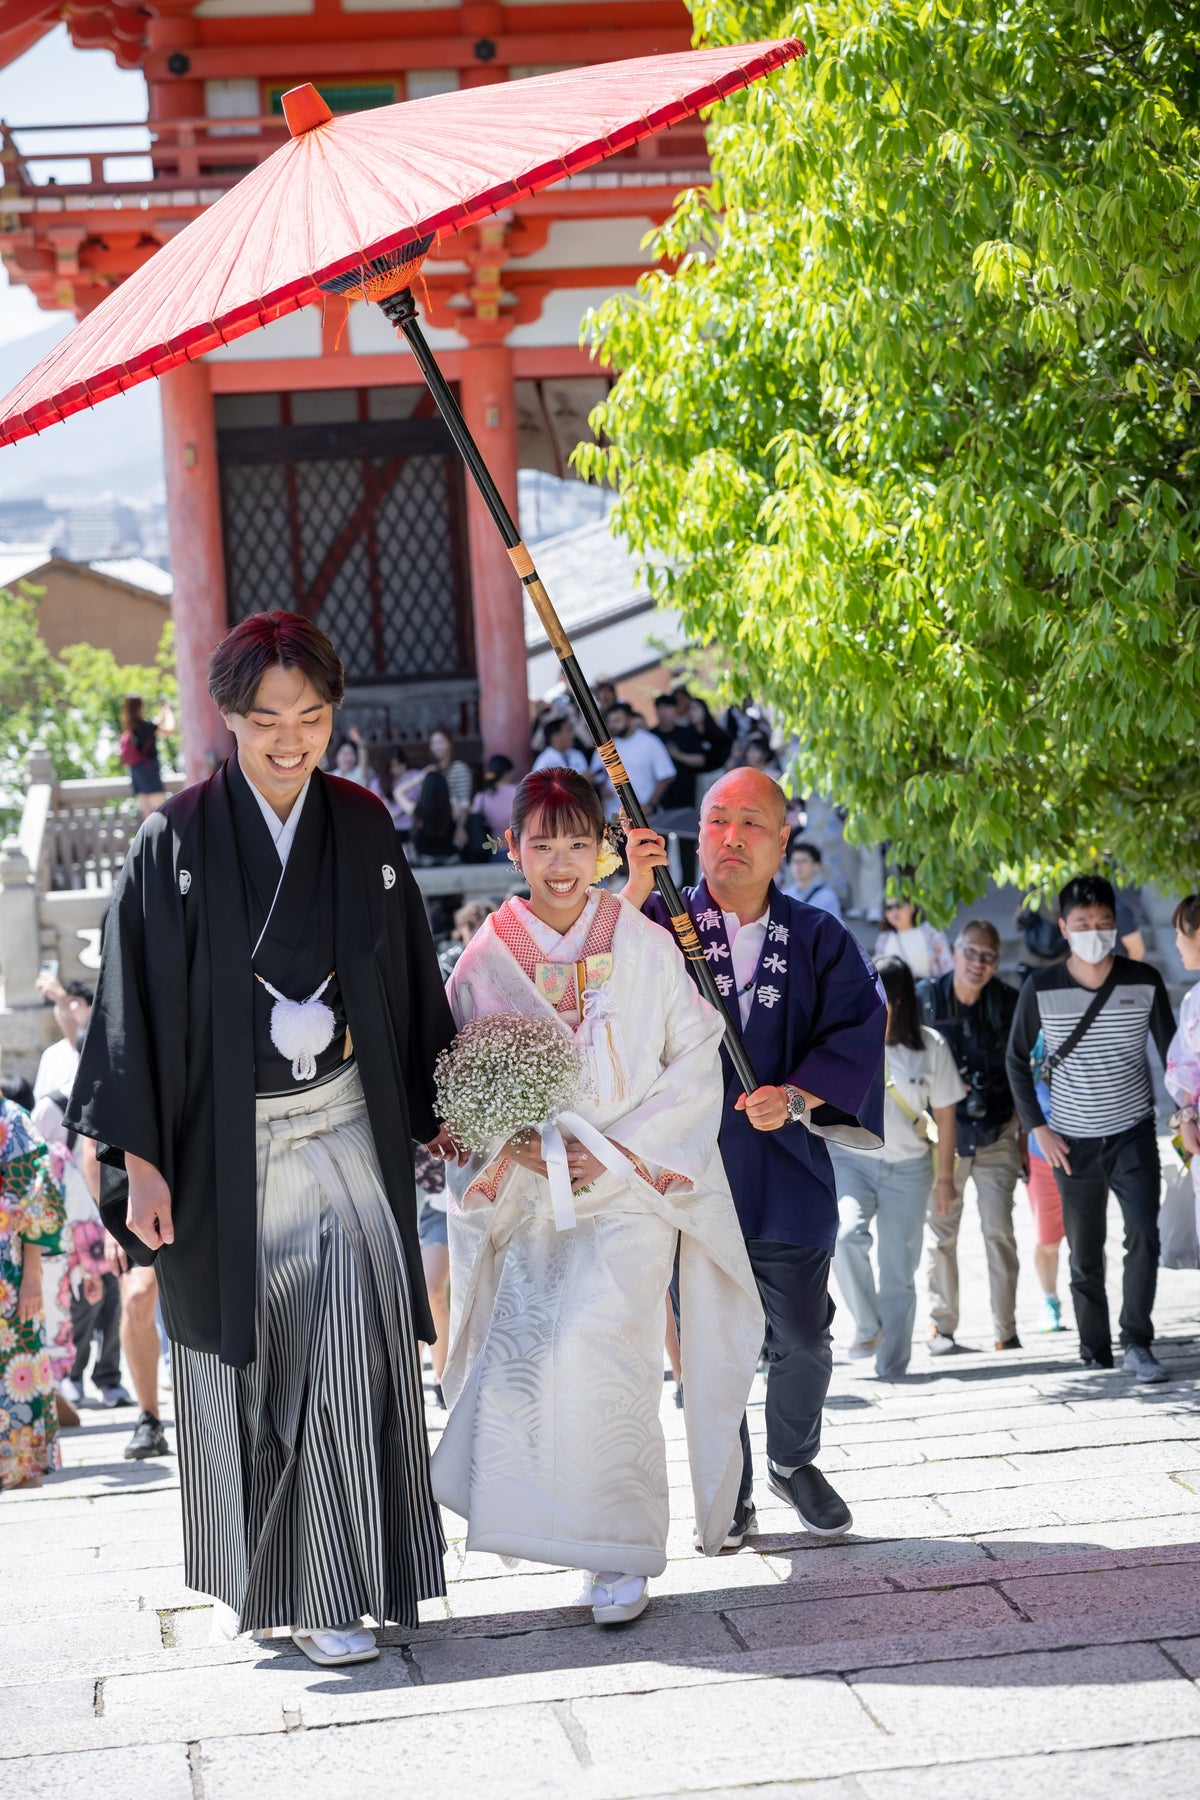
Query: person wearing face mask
point(1095, 1011)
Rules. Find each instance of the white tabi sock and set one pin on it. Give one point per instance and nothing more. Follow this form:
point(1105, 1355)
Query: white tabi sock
point(782, 1468)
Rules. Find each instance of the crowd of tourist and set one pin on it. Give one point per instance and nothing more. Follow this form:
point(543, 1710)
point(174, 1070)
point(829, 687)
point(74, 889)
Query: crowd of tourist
point(445, 811)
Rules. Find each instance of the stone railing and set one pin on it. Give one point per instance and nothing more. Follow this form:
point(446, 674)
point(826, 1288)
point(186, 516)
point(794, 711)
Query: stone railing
point(56, 879)
point(90, 826)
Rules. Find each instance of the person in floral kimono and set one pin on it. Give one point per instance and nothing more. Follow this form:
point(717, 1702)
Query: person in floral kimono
point(31, 1218)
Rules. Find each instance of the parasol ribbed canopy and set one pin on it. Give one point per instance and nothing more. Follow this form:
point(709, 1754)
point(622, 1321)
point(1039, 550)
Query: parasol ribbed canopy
point(345, 192)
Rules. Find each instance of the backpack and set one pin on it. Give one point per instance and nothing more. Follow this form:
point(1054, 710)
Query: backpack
point(127, 750)
point(1042, 937)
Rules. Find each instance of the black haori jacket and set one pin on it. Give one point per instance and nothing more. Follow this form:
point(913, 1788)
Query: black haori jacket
point(167, 1069)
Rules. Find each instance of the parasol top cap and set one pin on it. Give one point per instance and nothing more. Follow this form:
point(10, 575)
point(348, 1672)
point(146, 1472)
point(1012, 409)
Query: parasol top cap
point(304, 109)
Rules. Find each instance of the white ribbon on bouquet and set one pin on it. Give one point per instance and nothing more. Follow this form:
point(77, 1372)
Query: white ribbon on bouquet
point(554, 1154)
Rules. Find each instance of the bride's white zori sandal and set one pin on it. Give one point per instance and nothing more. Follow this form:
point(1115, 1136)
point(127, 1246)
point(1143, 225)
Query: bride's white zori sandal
point(617, 1598)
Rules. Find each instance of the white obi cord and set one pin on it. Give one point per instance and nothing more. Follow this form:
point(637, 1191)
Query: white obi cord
point(554, 1154)
point(598, 1036)
point(301, 1029)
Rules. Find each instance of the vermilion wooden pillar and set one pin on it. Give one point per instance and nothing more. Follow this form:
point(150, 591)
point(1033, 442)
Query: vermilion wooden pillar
point(197, 559)
point(488, 400)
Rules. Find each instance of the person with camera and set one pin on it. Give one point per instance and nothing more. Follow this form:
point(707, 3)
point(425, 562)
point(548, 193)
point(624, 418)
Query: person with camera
point(973, 1010)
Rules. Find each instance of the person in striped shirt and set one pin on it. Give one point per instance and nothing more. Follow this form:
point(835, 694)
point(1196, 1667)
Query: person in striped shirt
point(1101, 1131)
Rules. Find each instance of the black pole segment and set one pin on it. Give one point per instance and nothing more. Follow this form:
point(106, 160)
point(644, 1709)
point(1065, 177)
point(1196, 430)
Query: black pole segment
point(401, 311)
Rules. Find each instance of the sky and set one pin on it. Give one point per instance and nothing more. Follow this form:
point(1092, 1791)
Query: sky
point(55, 84)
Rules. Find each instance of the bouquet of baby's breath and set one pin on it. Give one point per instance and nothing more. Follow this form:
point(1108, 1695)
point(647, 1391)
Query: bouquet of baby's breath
point(506, 1073)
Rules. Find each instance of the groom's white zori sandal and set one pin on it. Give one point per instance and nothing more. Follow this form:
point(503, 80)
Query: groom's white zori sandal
point(617, 1598)
point(334, 1649)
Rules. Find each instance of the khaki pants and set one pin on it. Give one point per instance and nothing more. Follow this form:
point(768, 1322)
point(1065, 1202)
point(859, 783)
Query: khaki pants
point(995, 1170)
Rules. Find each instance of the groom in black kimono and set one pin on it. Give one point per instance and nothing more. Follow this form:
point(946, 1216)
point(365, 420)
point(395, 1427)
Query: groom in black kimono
point(812, 1017)
point(260, 1057)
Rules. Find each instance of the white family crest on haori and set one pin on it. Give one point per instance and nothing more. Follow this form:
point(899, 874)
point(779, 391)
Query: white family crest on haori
point(185, 880)
point(301, 1029)
point(389, 876)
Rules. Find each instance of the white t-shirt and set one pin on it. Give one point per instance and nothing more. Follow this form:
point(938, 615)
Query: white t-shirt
point(562, 759)
point(56, 1069)
point(922, 947)
point(647, 762)
point(923, 1079)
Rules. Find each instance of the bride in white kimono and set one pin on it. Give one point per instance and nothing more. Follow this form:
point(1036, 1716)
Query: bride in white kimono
point(553, 1451)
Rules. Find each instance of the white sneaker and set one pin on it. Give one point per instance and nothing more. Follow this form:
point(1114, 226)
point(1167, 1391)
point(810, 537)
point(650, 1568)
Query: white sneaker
point(71, 1390)
point(861, 1348)
point(617, 1598)
point(941, 1343)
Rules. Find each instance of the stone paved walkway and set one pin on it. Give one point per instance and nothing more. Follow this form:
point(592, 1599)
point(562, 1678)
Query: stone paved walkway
point(1017, 1613)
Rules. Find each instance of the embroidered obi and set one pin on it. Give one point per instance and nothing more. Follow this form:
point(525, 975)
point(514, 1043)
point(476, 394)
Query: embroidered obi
point(564, 984)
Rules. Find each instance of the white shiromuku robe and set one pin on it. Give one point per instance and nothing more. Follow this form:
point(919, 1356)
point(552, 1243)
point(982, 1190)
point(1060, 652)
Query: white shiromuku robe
point(553, 1451)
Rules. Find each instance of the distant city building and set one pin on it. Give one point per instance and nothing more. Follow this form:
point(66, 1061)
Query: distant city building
point(84, 531)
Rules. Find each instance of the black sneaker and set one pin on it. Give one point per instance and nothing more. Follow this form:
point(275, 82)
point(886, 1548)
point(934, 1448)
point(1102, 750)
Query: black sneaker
point(1012, 1343)
point(149, 1439)
point(820, 1507)
point(745, 1524)
point(1095, 1359)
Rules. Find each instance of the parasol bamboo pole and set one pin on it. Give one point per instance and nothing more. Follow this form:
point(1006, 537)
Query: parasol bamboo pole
point(401, 311)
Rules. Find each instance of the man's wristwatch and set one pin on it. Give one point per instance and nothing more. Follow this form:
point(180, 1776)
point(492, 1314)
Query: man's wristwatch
point(797, 1105)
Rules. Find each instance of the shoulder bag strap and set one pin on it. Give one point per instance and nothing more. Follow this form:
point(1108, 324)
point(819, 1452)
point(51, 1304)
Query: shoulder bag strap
point(924, 1121)
point(1057, 1057)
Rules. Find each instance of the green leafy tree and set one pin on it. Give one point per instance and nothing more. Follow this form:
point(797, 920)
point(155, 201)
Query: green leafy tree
point(910, 432)
point(72, 703)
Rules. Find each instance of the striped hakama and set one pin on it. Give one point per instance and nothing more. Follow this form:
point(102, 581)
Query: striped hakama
point(306, 1495)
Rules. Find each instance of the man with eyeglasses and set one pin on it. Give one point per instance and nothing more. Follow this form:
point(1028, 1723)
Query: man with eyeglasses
point(974, 1010)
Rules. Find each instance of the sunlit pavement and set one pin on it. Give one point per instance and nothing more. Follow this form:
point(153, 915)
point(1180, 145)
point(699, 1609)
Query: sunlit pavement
point(1016, 1613)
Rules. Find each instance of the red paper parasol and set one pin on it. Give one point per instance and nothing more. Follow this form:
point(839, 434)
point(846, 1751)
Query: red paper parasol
point(353, 206)
point(345, 192)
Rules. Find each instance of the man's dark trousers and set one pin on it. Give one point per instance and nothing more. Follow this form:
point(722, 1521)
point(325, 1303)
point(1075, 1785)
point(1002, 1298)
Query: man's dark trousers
point(1127, 1162)
point(793, 1283)
point(793, 1280)
point(103, 1316)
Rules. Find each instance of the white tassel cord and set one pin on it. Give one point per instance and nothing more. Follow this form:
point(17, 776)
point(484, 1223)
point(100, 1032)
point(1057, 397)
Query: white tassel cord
point(301, 1029)
point(599, 1038)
